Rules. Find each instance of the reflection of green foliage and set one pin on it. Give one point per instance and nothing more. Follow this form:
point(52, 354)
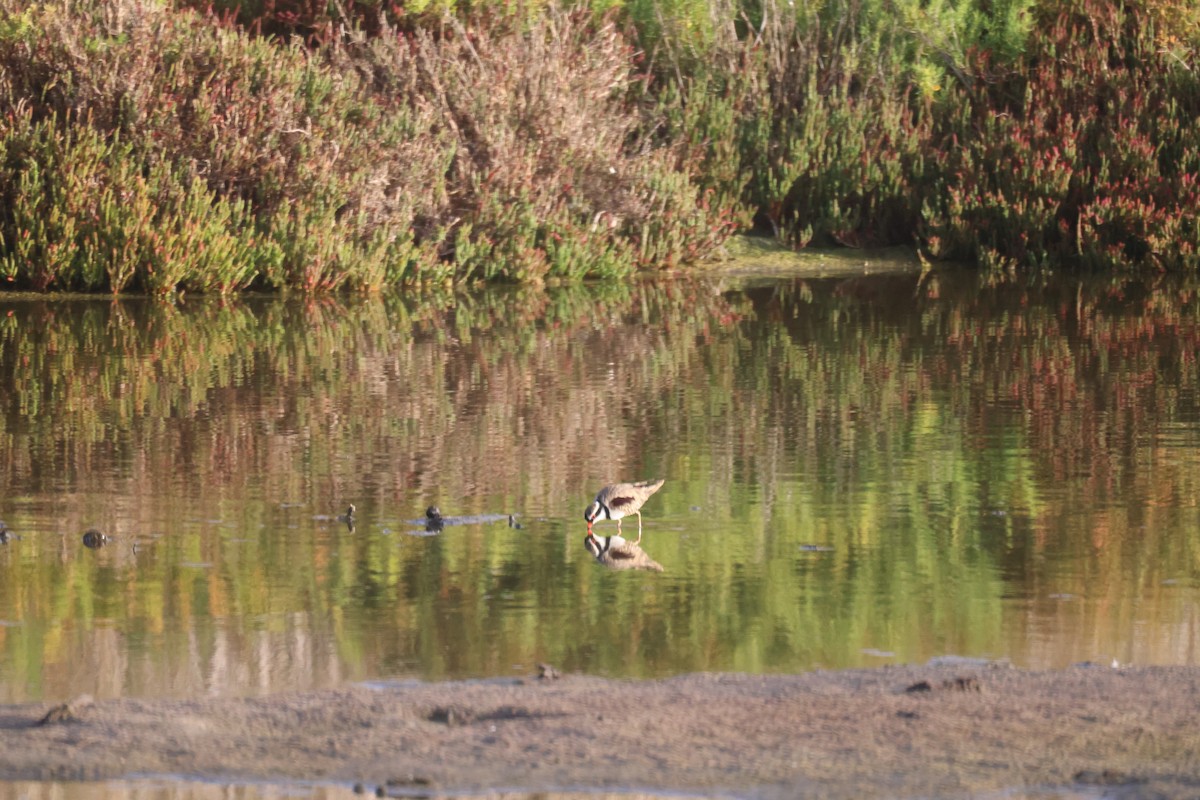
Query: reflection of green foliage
point(968, 445)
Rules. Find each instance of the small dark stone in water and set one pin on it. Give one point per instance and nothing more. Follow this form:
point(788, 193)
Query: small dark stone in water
point(67, 712)
point(380, 791)
point(359, 788)
point(433, 519)
point(548, 673)
point(411, 780)
point(907, 714)
point(93, 538)
point(920, 686)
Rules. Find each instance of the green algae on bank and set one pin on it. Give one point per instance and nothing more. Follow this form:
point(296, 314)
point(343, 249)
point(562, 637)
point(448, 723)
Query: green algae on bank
point(764, 257)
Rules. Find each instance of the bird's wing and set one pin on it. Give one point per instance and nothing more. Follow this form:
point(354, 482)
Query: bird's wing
point(624, 500)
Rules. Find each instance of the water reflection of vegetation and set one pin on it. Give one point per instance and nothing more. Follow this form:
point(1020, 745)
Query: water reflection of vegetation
point(955, 444)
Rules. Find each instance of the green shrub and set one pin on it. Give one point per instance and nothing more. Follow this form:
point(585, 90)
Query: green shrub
point(830, 107)
point(83, 213)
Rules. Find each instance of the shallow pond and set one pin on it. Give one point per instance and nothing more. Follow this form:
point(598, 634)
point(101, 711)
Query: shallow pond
point(859, 471)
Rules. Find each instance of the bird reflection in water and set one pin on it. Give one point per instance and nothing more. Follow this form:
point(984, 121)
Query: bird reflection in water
point(616, 552)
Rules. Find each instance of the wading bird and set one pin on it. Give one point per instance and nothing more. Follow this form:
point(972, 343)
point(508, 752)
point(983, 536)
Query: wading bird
point(619, 500)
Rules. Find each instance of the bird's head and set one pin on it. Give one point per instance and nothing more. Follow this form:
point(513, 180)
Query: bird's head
point(591, 513)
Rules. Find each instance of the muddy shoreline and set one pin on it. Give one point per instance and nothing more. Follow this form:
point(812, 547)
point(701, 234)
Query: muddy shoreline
point(933, 731)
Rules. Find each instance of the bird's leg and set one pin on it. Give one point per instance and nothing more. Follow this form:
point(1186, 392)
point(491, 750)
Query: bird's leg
point(618, 527)
point(639, 515)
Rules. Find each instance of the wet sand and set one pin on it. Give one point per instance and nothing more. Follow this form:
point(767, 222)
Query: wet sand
point(954, 730)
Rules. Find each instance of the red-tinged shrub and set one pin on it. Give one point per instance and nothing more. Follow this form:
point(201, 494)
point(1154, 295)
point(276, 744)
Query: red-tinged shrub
point(1090, 157)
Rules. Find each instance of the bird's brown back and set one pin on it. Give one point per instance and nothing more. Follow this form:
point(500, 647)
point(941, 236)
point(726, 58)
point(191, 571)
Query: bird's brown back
point(628, 497)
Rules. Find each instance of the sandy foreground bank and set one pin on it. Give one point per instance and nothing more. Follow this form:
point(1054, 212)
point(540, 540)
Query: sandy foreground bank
point(943, 731)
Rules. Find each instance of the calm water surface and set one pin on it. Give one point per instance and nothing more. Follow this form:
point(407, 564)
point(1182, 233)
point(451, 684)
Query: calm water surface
point(860, 471)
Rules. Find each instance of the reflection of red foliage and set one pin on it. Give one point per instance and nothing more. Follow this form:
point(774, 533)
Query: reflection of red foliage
point(1097, 374)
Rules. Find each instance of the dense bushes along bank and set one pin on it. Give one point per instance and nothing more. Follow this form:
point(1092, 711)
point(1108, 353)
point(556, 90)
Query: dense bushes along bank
point(276, 144)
